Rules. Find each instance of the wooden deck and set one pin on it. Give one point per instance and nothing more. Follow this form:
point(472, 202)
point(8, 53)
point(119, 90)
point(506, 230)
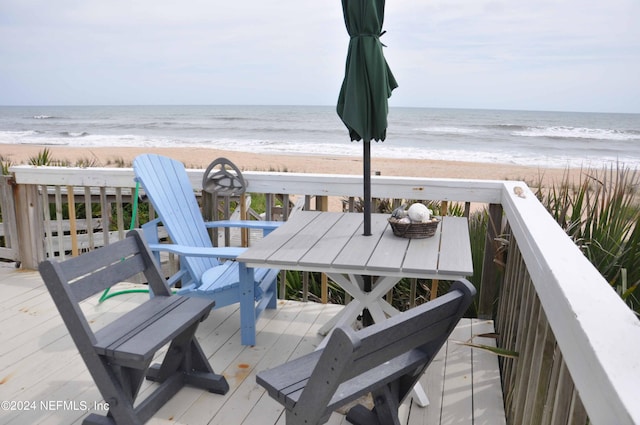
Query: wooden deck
point(44, 381)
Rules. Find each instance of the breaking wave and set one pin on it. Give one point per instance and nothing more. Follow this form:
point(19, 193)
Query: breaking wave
point(559, 132)
point(74, 134)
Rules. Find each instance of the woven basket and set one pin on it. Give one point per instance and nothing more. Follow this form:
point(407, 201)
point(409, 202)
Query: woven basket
point(414, 230)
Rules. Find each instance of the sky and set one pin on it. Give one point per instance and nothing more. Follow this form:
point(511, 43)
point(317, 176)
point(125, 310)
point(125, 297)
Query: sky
point(555, 55)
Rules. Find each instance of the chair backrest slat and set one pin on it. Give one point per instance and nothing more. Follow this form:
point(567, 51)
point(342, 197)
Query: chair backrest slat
point(86, 263)
point(105, 277)
point(418, 328)
point(98, 270)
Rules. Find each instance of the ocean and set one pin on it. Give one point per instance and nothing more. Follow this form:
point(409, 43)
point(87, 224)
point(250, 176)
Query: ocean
point(544, 139)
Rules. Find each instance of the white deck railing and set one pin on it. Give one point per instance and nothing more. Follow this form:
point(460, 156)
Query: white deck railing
point(582, 332)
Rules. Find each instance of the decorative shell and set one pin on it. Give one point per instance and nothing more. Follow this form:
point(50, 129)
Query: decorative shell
point(399, 212)
point(419, 213)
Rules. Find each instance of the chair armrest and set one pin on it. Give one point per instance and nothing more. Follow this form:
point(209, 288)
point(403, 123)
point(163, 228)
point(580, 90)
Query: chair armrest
point(250, 224)
point(266, 226)
point(192, 251)
point(150, 230)
point(180, 276)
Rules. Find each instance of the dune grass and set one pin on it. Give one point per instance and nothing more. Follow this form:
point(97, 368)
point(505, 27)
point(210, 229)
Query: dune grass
point(600, 213)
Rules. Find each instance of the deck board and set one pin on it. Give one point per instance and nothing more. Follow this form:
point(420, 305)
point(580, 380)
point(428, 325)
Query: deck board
point(486, 379)
point(457, 405)
point(39, 364)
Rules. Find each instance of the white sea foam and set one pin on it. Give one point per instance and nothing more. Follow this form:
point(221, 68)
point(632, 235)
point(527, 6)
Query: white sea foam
point(16, 137)
point(577, 133)
point(448, 130)
point(387, 149)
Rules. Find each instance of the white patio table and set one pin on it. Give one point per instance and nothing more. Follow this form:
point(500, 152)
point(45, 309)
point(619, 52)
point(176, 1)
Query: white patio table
point(333, 243)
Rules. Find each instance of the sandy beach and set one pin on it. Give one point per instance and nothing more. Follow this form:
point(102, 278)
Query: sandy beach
point(246, 161)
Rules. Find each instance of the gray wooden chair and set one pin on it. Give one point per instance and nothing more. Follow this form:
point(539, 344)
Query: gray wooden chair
point(386, 359)
point(118, 356)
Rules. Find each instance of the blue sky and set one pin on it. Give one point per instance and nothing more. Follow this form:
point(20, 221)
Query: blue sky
point(575, 55)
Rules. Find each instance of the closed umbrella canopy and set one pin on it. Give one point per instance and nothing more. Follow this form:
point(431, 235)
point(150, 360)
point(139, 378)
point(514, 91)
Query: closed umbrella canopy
point(368, 82)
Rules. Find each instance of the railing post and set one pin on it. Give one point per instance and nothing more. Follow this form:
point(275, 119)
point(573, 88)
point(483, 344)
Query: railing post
point(489, 282)
point(29, 225)
point(73, 231)
point(322, 204)
point(7, 206)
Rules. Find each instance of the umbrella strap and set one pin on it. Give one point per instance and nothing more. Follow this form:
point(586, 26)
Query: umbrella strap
point(376, 36)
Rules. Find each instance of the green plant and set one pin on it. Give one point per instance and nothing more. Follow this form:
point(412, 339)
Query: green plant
point(42, 158)
point(258, 202)
point(5, 163)
point(87, 162)
point(118, 162)
point(295, 285)
point(387, 205)
point(478, 225)
point(601, 215)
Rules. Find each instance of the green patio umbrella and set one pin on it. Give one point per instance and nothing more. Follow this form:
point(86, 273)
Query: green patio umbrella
point(368, 82)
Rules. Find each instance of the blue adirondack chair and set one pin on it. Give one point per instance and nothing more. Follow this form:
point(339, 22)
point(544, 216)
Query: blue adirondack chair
point(203, 269)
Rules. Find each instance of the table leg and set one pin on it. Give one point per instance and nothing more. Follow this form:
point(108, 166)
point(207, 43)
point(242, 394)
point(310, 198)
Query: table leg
point(378, 307)
point(417, 392)
point(419, 395)
point(351, 310)
point(388, 308)
point(377, 314)
point(351, 284)
point(347, 316)
point(361, 300)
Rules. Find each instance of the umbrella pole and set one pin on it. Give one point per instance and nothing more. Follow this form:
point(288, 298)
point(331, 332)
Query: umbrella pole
point(367, 320)
point(367, 187)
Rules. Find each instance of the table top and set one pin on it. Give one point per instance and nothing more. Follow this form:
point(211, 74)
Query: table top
point(333, 242)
